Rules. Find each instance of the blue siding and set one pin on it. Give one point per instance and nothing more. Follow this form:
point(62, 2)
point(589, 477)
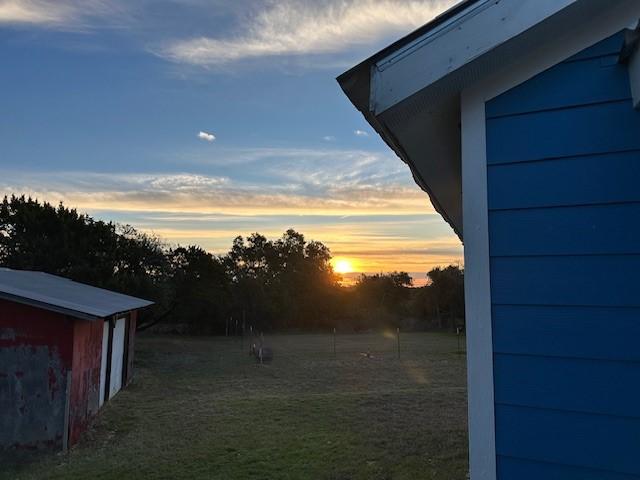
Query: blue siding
point(572, 332)
point(563, 154)
point(586, 230)
point(566, 181)
point(602, 82)
point(567, 384)
point(527, 470)
point(607, 281)
point(601, 442)
point(609, 46)
point(583, 130)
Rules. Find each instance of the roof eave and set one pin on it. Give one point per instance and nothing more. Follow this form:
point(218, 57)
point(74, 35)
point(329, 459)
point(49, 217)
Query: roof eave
point(47, 306)
point(355, 72)
point(65, 311)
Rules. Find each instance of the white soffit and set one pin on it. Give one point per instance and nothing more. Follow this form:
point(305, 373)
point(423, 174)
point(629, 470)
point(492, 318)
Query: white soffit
point(463, 38)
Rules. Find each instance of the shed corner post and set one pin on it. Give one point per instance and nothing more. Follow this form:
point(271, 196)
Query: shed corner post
point(482, 445)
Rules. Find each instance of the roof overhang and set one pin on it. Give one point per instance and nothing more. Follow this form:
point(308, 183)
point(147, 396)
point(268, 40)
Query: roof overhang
point(62, 310)
point(64, 296)
point(47, 306)
point(410, 91)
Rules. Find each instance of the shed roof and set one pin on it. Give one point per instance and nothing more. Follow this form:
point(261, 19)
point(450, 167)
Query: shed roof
point(62, 295)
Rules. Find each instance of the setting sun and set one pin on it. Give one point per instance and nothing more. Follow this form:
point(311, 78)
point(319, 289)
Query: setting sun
point(342, 266)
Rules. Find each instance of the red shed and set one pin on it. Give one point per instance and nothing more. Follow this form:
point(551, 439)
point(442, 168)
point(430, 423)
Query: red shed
point(65, 349)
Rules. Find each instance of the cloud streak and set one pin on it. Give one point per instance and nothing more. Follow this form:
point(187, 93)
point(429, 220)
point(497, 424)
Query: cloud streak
point(201, 194)
point(296, 28)
point(59, 14)
point(381, 227)
point(362, 204)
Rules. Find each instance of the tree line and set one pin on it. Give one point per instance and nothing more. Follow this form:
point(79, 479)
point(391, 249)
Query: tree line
point(283, 284)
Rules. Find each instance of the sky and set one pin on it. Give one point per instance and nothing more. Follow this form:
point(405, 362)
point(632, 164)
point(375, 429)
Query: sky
point(201, 120)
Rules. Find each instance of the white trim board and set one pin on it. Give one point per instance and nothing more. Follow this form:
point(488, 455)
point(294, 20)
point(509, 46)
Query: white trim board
point(477, 290)
point(465, 37)
point(482, 456)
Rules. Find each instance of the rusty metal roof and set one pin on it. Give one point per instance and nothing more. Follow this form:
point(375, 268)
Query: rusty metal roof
point(65, 296)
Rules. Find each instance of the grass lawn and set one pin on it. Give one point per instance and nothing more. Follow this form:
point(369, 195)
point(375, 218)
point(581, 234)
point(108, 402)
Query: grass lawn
point(202, 408)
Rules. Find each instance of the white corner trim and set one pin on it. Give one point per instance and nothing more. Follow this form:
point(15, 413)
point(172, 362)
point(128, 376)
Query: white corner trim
point(477, 289)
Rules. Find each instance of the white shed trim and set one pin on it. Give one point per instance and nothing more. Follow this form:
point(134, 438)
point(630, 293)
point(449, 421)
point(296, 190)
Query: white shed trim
point(477, 289)
point(117, 355)
point(482, 456)
point(470, 34)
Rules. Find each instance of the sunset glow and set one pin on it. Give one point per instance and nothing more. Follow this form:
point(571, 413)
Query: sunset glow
point(342, 266)
point(218, 141)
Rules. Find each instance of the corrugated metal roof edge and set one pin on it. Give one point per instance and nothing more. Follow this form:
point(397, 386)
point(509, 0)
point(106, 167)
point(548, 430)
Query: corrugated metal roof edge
point(62, 310)
point(24, 300)
point(49, 307)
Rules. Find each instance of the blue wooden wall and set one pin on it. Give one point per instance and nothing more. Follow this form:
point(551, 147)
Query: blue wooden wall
point(563, 152)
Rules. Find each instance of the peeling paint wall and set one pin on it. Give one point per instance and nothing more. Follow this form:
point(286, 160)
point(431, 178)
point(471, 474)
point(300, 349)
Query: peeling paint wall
point(36, 350)
point(39, 351)
point(85, 383)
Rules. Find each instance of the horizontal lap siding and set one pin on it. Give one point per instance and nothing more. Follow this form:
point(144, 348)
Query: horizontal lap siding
point(567, 384)
point(563, 154)
point(567, 331)
point(527, 470)
point(566, 280)
point(599, 442)
point(586, 230)
point(545, 183)
point(584, 130)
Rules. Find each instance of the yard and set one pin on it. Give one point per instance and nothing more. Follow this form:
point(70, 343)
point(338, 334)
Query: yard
point(202, 408)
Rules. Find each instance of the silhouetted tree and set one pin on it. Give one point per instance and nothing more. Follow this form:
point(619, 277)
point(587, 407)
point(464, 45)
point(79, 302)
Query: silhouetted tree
point(445, 294)
point(287, 283)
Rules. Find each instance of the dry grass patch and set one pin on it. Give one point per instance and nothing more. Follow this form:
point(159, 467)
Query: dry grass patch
point(202, 408)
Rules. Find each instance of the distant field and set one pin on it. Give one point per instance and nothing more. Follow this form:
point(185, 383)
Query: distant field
point(202, 408)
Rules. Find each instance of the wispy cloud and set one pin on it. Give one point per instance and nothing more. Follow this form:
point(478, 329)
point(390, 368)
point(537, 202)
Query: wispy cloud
point(59, 14)
point(170, 192)
point(296, 28)
point(362, 204)
point(360, 133)
point(329, 138)
point(208, 137)
point(272, 180)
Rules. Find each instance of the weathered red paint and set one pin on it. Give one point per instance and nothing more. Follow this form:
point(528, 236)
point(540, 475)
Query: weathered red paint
point(23, 325)
point(38, 349)
point(85, 376)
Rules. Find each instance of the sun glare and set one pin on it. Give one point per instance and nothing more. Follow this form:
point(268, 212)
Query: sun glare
point(342, 266)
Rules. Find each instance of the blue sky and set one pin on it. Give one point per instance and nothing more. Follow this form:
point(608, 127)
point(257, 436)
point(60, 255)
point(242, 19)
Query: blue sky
point(203, 119)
